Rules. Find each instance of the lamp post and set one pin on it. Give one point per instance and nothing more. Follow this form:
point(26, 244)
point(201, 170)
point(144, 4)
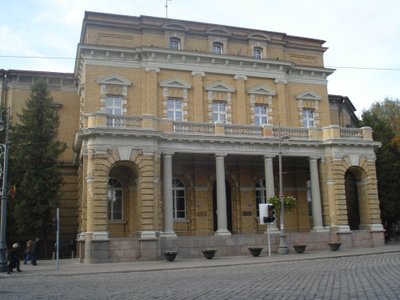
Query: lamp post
point(3, 174)
point(283, 247)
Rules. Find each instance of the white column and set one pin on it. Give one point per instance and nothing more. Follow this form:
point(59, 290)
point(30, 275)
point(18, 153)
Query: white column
point(221, 196)
point(168, 205)
point(316, 196)
point(269, 176)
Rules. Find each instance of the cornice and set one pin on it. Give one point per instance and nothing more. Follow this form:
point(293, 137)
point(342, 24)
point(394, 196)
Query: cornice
point(163, 58)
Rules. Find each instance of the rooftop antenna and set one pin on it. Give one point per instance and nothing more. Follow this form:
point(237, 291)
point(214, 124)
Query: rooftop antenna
point(166, 8)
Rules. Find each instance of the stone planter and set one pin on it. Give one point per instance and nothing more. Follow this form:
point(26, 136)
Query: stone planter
point(209, 253)
point(299, 248)
point(334, 246)
point(170, 255)
point(255, 251)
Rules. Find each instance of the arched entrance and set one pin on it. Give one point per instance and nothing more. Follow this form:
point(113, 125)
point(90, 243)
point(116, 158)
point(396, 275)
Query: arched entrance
point(228, 206)
point(353, 207)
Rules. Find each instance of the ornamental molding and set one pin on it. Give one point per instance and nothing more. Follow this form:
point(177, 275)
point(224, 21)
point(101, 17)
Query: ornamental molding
point(175, 83)
point(259, 36)
point(175, 26)
point(114, 79)
point(219, 86)
point(261, 90)
point(309, 95)
point(219, 31)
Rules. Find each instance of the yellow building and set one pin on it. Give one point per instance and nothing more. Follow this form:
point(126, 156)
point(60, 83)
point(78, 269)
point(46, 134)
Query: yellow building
point(175, 129)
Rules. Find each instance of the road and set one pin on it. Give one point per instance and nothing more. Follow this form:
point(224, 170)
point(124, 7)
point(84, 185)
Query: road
point(359, 277)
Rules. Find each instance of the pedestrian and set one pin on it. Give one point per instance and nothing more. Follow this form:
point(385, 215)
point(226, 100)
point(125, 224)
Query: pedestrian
point(34, 251)
point(13, 259)
point(28, 252)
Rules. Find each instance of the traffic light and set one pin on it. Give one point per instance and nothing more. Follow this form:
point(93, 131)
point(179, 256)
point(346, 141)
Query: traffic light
point(270, 218)
point(267, 213)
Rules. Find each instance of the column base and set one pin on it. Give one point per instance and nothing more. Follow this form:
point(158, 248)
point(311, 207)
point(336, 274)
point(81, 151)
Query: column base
point(168, 234)
point(319, 229)
point(222, 232)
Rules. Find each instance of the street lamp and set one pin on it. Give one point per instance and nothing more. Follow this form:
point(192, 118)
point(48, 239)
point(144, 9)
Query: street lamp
point(3, 174)
point(283, 247)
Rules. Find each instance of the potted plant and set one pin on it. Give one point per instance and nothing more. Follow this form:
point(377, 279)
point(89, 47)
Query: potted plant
point(289, 202)
point(334, 246)
point(209, 253)
point(255, 250)
point(299, 248)
point(170, 255)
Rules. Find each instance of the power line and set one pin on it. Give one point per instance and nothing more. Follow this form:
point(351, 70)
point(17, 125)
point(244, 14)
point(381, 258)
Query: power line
point(73, 58)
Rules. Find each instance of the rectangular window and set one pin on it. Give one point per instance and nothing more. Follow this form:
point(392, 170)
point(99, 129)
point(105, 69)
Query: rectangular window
point(308, 118)
point(257, 52)
point(114, 107)
point(174, 43)
point(175, 109)
point(219, 112)
point(217, 48)
point(260, 114)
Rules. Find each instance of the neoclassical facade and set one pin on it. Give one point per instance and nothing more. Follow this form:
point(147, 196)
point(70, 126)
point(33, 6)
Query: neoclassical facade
point(175, 129)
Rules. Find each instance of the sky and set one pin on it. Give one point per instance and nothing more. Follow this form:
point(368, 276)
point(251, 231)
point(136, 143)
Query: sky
point(362, 36)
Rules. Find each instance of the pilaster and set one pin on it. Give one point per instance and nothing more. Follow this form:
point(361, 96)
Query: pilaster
point(199, 105)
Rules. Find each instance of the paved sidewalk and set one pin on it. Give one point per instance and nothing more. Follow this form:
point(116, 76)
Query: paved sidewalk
point(68, 267)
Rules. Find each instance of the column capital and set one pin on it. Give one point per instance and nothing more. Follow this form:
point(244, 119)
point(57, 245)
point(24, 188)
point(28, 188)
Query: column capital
point(198, 73)
point(240, 77)
point(152, 69)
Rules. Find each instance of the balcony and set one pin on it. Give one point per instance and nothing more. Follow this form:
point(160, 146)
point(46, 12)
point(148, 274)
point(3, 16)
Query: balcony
point(150, 125)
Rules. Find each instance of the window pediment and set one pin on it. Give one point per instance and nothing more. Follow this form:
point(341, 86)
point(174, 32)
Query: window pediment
point(308, 96)
point(219, 31)
point(114, 79)
point(175, 83)
point(259, 36)
point(175, 26)
point(261, 90)
point(219, 87)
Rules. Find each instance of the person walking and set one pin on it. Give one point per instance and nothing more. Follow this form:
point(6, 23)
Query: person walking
point(28, 252)
point(34, 251)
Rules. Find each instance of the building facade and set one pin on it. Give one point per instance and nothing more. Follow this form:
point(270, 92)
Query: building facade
point(175, 129)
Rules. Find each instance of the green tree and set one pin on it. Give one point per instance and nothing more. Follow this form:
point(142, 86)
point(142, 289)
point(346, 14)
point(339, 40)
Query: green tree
point(34, 149)
point(383, 118)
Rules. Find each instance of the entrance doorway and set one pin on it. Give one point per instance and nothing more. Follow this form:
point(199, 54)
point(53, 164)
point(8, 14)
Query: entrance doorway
point(353, 208)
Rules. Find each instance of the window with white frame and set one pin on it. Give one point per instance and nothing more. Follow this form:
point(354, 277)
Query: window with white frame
point(260, 114)
point(174, 109)
point(174, 43)
point(308, 117)
point(178, 196)
point(114, 107)
point(261, 194)
point(217, 48)
point(257, 52)
point(114, 199)
point(219, 112)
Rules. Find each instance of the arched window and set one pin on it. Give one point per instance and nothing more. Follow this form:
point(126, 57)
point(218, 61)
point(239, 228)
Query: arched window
point(217, 48)
point(261, 194)
point(257, 52)
point(174, 43)
point(178, 196)
point(114, 199)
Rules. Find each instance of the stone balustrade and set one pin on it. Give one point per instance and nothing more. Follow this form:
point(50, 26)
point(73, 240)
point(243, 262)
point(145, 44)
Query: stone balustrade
point(149, 122)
